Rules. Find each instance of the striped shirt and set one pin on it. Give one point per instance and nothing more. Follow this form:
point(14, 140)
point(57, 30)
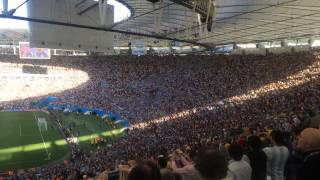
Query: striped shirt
point(277, 158)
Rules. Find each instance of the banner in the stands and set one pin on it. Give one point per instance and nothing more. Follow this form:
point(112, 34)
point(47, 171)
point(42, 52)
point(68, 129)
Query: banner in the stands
point(138, 47)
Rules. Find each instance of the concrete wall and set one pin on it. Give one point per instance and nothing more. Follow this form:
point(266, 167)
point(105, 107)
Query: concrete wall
point(301, 48)
point(63, 37)
point(280, 50)
point(256, 51)
point(264, 51)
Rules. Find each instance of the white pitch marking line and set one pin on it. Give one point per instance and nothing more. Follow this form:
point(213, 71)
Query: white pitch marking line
point(44, 144)
point(20, 129)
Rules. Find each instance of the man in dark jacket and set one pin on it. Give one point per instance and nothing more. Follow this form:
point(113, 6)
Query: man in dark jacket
point(257, 159)
point(309, 144)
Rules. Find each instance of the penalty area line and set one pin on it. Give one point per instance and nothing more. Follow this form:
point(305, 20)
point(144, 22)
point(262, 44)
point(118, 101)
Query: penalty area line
point(20, 130)
point(44, 143)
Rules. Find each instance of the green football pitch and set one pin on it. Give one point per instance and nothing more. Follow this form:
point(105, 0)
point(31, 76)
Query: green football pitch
point(24, 145)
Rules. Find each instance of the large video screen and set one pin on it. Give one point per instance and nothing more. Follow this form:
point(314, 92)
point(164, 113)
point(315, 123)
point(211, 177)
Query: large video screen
point(26, 52)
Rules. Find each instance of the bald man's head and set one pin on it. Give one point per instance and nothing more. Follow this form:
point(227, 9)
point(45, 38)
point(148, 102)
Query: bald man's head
point(309, 139)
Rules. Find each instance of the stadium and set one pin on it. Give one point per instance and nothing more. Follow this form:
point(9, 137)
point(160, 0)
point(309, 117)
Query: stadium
point(160, 89)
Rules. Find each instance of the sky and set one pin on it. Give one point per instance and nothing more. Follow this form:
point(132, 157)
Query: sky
point(121, 12)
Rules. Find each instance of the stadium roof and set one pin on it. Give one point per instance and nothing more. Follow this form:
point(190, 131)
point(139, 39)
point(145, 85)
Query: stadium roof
point(236, 21)
point(174, 17)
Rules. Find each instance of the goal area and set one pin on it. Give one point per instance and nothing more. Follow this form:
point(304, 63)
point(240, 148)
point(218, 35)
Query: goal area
point(42, 124)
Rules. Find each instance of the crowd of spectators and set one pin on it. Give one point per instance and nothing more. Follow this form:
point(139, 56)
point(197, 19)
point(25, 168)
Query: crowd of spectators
point(191, 102)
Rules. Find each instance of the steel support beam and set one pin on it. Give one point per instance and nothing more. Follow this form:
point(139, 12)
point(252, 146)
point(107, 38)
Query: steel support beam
point(5, 6)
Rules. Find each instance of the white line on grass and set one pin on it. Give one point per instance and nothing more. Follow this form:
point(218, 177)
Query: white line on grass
point(20, 129)
point(44, 144)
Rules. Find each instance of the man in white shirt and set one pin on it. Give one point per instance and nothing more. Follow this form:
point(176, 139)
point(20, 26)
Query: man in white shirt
point(277, 156)
point(239, 168)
